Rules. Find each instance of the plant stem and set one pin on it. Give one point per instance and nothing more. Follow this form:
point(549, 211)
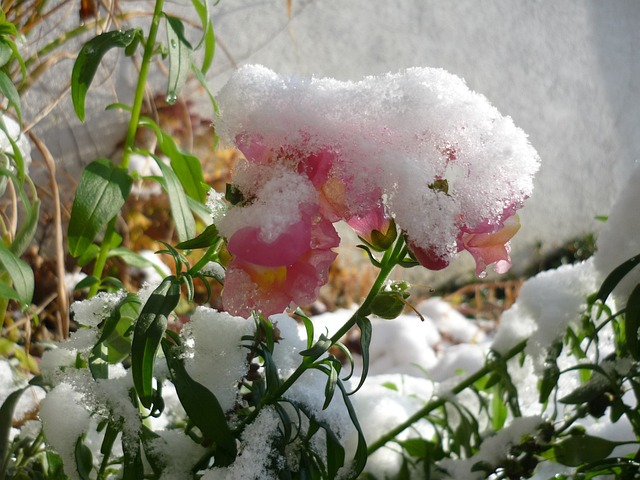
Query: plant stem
point(440, 401)
point(142, 83)
point(131, 135)
point(390, 259)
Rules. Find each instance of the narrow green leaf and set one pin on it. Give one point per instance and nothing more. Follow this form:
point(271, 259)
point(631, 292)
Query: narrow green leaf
point(5, 52)
point(551, 372)
point(8, 293)
point(187, 167)
point(6, 421)
point(8, 89)
point(28, 229)
point(360, 457)
point(308, 326)
point(19, 162)
point(84, 460)
point(335, 454)
point(133, 466)
point(88, 60)
point(616, 276)
point(89, 255)
point(586, 392)
point(364, 324)
point(101, 193)
point(579, 449)
point(322, 345)
point(156, 459)
point(183, 219)
point(135, 259)
point(20, 273)
point(203, 82)
point(206, 239)
point(148, 333)
point(110, 435)
point(201, 211)
point(179, 58)
point(99, 361)
point(201, 406)
point(632, 323)
point(330, 386)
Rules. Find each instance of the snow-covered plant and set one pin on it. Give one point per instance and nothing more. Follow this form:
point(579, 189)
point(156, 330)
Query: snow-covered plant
point(154, 385)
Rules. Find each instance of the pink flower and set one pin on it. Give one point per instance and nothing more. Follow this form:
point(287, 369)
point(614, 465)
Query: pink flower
point(375, 227)
point(270, 276)
point(427, 256)
point(492, 247)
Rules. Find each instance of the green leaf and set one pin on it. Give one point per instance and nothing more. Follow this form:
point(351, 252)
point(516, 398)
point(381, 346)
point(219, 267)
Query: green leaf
point(587, 392)
point(132, 464)
point(89, 255)
point(101, 193)
point(332, 380)
point(201, 406)
point(157, 460)
point(335, 454)
point(632, 323)
point(8, 293)
point(183, 219)
point(179, 58)
point(364, 324)
point(6, 421)
point(19, 161)
point(308, 326)
point(208, 36)
point(86, 65)
point(8, 89)
point(99, 361)
point(187, 167)
point(322, 345)
point(20, 273)
point(206, 239)
point(135, 259)
point(616, 276)
point(84, 460)
point(360, 457)
point(148, 333)
point(551, 372)
point(26, 232)
point(579, 449)
point(5, 53)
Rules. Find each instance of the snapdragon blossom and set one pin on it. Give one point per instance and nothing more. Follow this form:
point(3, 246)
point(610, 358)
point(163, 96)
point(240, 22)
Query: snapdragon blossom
point(415, 152)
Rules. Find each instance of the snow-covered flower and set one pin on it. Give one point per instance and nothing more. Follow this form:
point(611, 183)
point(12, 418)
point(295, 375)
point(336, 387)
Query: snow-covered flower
point(269, 276)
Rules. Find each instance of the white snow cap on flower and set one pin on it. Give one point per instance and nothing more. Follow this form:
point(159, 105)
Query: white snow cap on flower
point(421, 137)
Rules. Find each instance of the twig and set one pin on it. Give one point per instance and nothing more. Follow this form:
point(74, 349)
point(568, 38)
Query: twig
point(63, 301)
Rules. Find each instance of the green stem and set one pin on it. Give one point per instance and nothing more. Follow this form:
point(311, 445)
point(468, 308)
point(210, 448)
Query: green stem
point(209, 254)
point(101, 260)
point(131, 134)
point(439, 402)
point(390, 259)
point(142, 83)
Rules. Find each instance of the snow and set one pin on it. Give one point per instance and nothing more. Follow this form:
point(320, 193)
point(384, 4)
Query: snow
point(396, 134)
point(215, 356)
point(64, 420)
point(618, 241)
point(256, 453)
point(493, 449)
